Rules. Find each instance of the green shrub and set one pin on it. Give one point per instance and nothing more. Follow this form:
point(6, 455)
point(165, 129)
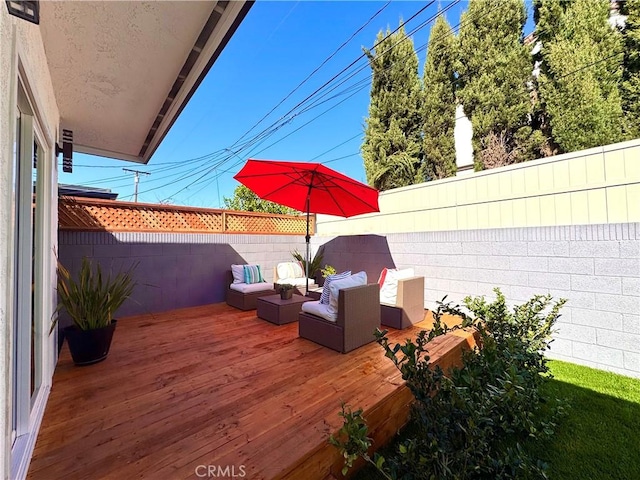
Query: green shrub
point(472, 423)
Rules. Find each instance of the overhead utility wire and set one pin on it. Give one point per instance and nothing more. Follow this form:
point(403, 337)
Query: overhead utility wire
point(266, 133)
point(391, 47)
point(324, 85)
point(348, 89)
point(181, 164)
point(197, 181)
point(282, 124)
point(324, 62)
point(238, 162)
point(262, 134)
point(275, 127)
point(174, 166)
point(290, 116)
point(470, 73)
point(359, 134)
point(288, 120)
point(155, 164)
point(314, 158)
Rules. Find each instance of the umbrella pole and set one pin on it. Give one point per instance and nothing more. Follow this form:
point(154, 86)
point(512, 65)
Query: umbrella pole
point(307, 238)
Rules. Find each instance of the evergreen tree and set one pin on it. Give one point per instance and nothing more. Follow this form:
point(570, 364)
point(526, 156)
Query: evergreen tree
point(392, 144)
point(439, 104)
point(631, 78)
point(245, 200)
point(580, 72)
point(494, 73)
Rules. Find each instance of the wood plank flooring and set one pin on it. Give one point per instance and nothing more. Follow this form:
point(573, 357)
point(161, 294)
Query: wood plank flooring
point(213, 386)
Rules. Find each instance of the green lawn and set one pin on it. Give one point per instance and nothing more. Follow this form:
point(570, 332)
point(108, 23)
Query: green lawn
point(600, 436)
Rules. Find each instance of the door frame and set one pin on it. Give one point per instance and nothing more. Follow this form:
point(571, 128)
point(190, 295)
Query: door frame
point(30, 410)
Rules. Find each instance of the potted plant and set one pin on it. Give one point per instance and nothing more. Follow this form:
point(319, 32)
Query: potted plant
point(314, 265)
point(286, 290)
point(91, 301)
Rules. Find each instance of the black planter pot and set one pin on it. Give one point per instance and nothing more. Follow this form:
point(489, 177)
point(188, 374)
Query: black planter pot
point(286, 294)
point(89, 346)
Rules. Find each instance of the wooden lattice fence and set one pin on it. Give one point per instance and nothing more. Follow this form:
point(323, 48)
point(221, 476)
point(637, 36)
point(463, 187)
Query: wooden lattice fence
point(88, 214)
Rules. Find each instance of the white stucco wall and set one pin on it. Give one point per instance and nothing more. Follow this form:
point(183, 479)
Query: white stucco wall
point(29, 49)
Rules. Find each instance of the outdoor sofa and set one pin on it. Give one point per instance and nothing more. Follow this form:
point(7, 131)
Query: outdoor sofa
point(246, 300)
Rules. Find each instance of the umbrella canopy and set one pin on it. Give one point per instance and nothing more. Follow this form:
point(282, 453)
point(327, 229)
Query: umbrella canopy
point(308, 187)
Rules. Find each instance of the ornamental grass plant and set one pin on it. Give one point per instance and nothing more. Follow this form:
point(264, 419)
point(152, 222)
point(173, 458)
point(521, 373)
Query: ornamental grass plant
point(92, 298)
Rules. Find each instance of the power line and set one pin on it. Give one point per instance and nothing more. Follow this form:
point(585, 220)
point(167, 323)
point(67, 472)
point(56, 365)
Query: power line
point(324, 62)
point(266, 133)
point(260, 138)
point(275, 127)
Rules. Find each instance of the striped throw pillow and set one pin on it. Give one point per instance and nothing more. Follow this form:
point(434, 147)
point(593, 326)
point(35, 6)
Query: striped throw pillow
point(252, 274)
point(324, 298)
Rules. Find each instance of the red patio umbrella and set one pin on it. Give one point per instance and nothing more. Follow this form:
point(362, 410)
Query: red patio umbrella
point(308, 187)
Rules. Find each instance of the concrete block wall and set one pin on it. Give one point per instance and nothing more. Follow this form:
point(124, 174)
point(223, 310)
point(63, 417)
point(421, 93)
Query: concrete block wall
point(595, 267)
point(176, 270)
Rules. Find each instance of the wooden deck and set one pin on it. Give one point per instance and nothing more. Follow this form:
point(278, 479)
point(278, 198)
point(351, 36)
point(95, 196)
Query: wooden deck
point(214, 386)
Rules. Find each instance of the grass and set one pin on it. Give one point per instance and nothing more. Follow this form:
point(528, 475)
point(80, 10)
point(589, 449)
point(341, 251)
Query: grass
point(598, 438)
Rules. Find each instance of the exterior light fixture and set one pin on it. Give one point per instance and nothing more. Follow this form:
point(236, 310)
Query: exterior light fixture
point(66, 150)
point(27, 10)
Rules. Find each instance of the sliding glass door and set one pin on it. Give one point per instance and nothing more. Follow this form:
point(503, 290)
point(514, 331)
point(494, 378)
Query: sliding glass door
point(29, 263)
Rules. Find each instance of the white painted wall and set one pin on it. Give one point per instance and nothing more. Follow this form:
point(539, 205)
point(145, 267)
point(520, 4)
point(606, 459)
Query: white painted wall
point(20, 45)
point(596, 186)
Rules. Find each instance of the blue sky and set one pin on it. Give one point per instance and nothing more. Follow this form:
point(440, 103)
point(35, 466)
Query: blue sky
point(279, 44)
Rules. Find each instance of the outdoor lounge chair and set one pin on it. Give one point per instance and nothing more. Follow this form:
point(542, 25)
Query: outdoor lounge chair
point(246, 301)
point(358, 317)
point(408, 308)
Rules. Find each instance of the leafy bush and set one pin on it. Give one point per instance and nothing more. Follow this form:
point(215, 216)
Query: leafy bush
point(472, 423)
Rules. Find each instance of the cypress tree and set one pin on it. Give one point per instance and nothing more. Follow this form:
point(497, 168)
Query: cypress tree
point(631, 77)
point(494, 73)
point(580, 73)
point(392, 143)
point(439, 103)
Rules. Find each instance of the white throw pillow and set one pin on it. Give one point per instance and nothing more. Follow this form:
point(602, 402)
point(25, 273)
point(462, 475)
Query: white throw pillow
point(284, 270)
point(355, 280)
point(389, 289)
point(238, 273)
point(324, 297)
point(298, 271)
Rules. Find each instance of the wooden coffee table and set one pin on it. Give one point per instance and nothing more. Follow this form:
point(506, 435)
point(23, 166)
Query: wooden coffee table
point(275, 310)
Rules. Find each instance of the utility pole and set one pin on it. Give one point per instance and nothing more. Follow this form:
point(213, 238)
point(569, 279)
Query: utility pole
point(136, 180)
